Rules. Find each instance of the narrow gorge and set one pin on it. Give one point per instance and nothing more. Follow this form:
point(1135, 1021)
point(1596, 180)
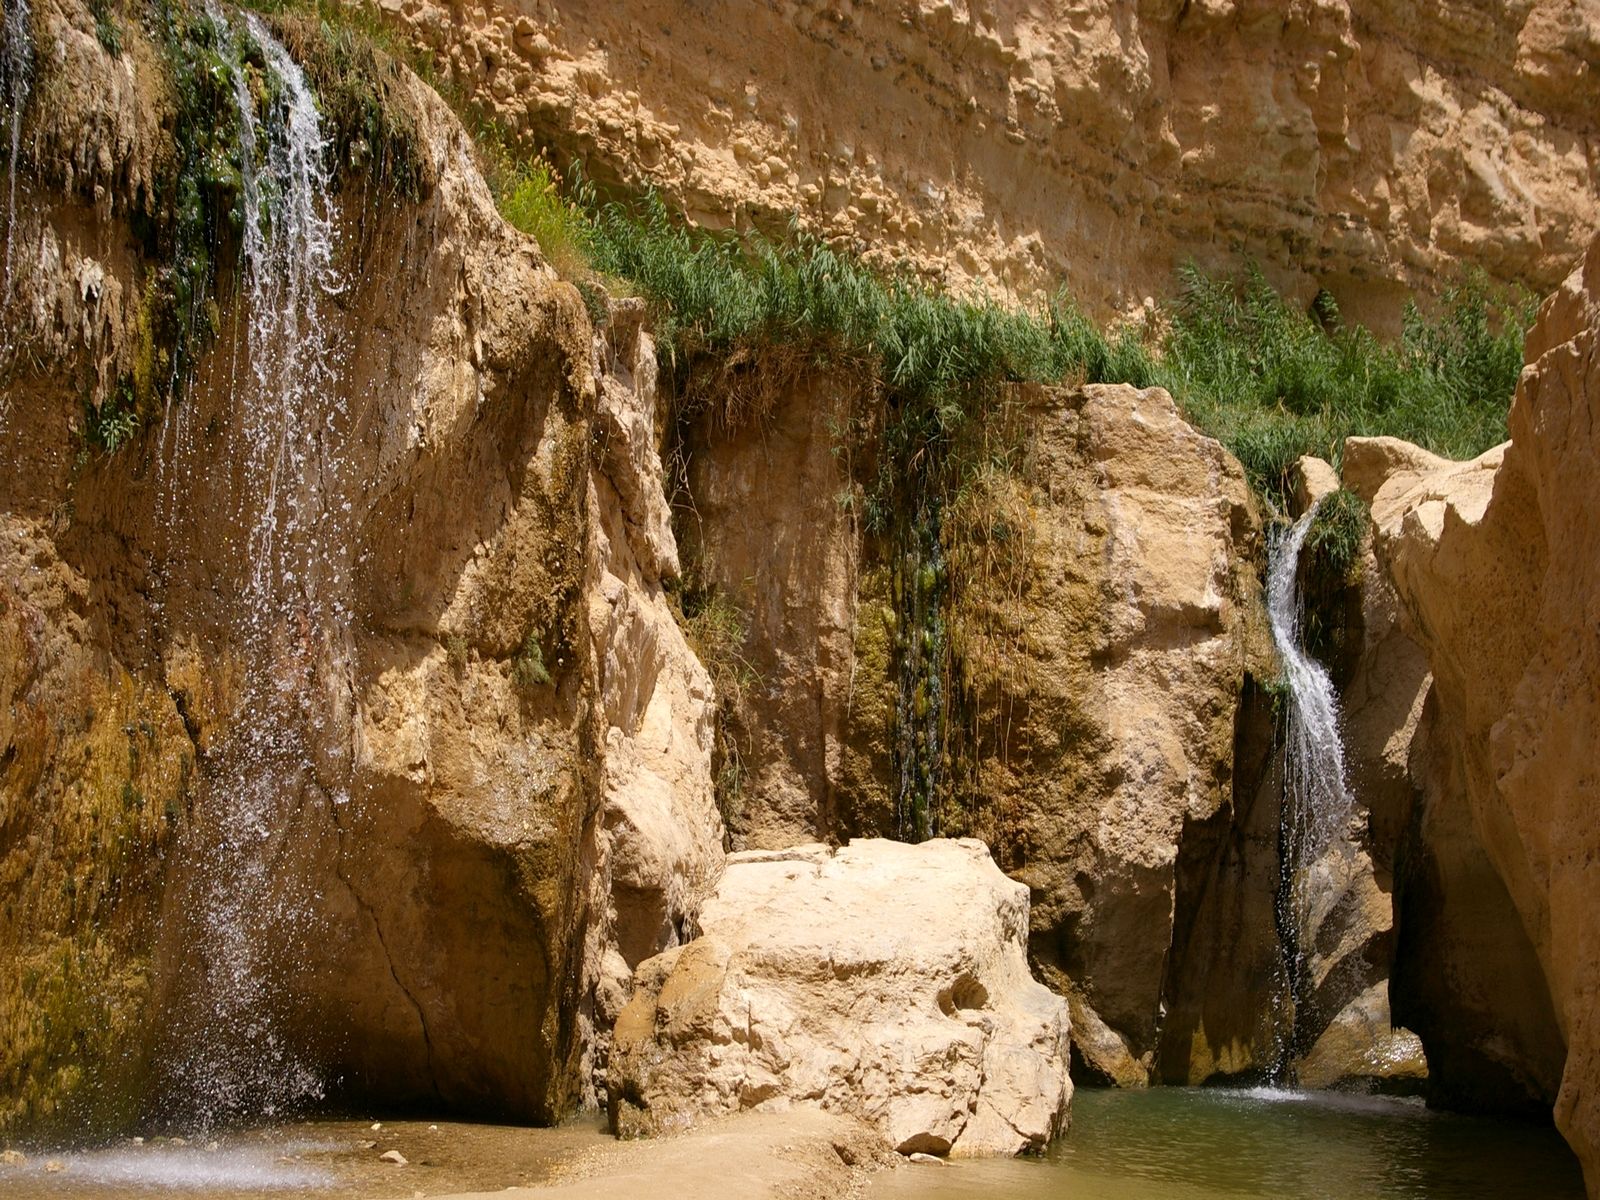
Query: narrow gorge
point(832, 589)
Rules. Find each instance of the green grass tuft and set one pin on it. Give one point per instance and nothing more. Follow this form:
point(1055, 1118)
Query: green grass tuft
point(1333, 543)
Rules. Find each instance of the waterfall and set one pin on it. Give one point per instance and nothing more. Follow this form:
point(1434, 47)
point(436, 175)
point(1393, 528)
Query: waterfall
point(248, 921)
point(1314, 822)
point(16, 81)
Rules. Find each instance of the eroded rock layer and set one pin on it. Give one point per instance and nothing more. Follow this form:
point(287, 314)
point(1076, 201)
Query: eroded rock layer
point(1496, 562)
point(1368, 146)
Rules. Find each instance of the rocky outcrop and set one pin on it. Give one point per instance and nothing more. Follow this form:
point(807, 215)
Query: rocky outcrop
point(1496, 562)
point(1102, 594)
point(1466, 977)
point(1115, 661)
point(496, 797)
point(658, 847)
point(881, 980)
point(1366, 146)
point(769, 530)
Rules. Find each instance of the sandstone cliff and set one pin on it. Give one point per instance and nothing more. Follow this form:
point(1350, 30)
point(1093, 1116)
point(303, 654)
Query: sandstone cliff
point(482, 715)
point(1496, 563)
point(1366, 146)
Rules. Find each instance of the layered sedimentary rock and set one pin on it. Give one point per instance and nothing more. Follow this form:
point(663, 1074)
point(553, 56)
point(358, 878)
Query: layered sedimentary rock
point(1496, 562)
point(881, 980)
point(1367, 146)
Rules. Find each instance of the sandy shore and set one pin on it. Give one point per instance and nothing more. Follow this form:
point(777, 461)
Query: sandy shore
point(798, 1155)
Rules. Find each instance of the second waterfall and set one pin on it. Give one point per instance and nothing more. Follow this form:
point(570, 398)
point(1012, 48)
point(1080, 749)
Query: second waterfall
point(1315, 847)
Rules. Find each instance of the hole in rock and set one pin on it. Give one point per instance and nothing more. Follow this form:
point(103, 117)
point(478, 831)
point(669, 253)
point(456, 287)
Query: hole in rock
point(965, 993)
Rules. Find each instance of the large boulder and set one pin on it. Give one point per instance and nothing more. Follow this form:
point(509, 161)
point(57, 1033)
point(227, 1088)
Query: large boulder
point(884, 980)
point(1498, 564)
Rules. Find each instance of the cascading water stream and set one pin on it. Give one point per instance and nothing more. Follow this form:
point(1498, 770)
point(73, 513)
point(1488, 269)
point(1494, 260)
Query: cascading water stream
point(1314, 822)
point(249, 919)
point(16, 82)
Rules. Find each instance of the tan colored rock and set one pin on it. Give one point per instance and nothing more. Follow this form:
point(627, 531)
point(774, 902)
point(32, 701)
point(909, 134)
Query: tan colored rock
point(770, 529)
point(1366, 146)
point(1498, 564)
point(658, 849)
point(1313, 478)
point(506, 778)
point(1361, 1043)
point(882, 980)
point(1108, 653)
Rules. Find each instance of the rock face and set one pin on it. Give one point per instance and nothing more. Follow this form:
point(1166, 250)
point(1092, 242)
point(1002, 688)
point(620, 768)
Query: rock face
point(1114, 668)
point(766, 529)
point(504, 801)
point(1104, 635)
point(1366, 146)
point(1498, 564)
point(657, 849)
point(881, 980)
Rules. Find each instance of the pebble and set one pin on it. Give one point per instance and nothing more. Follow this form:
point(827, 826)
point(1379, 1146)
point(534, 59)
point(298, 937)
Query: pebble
point(12, 1158)
point(55, 1165)
point(926, 1159)
point(138, 1141)
point(393, 1156)
point(368, 1145)
point(375, 1126)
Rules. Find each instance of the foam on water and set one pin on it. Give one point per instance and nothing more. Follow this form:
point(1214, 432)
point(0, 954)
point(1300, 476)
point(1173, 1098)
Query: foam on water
point(176, 1169)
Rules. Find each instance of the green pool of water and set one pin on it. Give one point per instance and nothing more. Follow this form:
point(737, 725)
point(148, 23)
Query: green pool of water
point(1210, 1144)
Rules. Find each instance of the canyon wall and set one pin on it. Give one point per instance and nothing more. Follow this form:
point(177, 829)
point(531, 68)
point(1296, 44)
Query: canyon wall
point(1496, 562)
point(550, 672)
point(1371, 147)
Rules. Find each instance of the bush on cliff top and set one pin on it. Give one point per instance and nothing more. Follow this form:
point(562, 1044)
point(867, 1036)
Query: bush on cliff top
point(1270, 381)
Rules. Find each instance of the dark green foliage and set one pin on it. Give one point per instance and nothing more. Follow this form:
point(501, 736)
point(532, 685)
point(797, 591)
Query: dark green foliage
point(528, 670)
point(351, 63)
point(107, 426)
point(200, 196)
point(192, 227)
point(1333, 543)
point(718, 294)
point(106, 28)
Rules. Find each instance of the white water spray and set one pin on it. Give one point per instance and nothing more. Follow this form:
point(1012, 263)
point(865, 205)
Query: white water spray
point(251, 921)
point(1314, 837)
